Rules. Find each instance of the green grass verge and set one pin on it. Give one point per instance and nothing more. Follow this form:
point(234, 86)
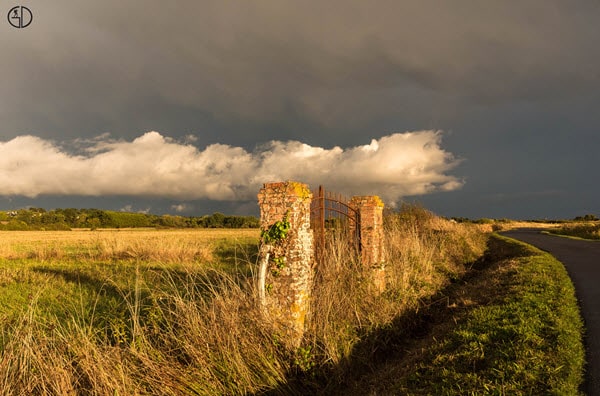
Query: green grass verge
point(529, 343)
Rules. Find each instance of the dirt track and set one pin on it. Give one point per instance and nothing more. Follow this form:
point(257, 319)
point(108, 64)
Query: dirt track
point(582, 260)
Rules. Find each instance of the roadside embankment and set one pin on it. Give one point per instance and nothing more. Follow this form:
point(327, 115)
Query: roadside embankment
point(510, 326)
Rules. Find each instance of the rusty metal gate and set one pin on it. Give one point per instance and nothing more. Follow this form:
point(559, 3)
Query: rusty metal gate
point(332, 215)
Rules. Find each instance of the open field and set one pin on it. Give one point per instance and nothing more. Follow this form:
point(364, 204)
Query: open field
point(504, 225)
point(94, 273)
point(187, 245)
point(48, 263)
point(175, 312)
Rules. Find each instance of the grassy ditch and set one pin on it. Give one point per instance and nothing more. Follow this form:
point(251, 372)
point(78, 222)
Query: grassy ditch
point(509, 327)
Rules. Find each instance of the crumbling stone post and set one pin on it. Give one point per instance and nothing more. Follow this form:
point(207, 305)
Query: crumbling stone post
point(286, 257)
point(372, 248)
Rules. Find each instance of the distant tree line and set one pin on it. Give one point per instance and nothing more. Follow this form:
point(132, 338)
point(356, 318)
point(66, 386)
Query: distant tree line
point(65, 219)
point(587, 217)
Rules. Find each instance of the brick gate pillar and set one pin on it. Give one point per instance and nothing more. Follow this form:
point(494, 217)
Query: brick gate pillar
point(372, 249)
point(286, 257)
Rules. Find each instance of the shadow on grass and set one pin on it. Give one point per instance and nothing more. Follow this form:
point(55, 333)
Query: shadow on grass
point(240, 258)
point(406, 337)
point(110, 307)
point(83, 279)
point(99, 302)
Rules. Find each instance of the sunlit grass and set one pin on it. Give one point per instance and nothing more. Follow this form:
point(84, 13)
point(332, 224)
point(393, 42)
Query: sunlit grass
point(579, 230)
point(147, 244)
point(175, 312)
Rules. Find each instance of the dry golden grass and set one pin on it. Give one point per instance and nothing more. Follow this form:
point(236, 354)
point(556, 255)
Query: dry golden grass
point(205, 334)
point(204, 337)
point(424, 253)
point(525, 224)
point(579, 229)
point(144, 244)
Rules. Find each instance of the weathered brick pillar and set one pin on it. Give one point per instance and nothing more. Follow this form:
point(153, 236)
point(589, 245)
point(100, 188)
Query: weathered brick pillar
point(286, 263)
point(372, 248)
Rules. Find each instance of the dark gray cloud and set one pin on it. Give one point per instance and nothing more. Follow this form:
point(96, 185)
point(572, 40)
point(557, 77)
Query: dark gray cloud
point(335, 64)
point(502, 78)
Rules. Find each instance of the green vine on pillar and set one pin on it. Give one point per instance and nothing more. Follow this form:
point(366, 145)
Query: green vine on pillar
point(276, 232)
point(275, 235)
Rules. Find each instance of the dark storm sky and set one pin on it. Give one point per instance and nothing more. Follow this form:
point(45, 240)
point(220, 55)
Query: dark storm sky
point(475, 109)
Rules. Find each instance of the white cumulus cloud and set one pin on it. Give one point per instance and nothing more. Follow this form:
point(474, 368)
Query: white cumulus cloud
point(152, 165)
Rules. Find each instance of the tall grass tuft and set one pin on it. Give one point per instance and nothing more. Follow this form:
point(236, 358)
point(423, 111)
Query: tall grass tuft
point(202, 336)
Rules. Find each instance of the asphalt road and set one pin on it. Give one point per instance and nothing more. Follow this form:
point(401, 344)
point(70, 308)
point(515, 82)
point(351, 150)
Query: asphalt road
point(582, 261)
